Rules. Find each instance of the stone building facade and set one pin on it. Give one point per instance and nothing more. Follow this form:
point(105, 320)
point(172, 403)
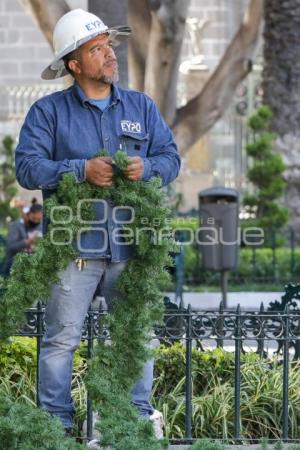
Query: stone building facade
point(24, 51)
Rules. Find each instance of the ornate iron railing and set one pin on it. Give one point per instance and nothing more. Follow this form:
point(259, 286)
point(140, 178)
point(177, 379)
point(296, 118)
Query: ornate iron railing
point(233, 330)
point(17, 99)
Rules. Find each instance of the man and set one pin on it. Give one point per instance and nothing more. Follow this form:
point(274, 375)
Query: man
point(61, 134)
point(23, 234)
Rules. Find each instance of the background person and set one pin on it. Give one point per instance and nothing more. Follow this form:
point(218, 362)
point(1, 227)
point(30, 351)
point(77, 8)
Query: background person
point(23, 234)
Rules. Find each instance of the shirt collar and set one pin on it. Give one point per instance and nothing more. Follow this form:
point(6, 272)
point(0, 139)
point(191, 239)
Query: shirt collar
point(84, 100)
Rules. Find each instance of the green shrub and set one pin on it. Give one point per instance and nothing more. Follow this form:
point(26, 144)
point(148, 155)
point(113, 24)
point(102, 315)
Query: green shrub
point(265, 173)
point(212, 384)
point(8, 180)
point(18, 375)
point(170, 367)
point(246, 272)
point(185, 222)
point(206, 444)
point(26, 428)
point(264, 264)
point(213, 394)
point(191, 262)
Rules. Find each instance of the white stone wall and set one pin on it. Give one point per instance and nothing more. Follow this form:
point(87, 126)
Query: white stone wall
point(224, 18)
point(24, 51)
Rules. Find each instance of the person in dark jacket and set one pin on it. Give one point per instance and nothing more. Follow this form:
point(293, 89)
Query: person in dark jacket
point(23, 234)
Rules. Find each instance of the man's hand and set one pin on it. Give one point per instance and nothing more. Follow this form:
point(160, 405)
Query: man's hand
point(99, 171)
point(135, 169)
point(30, 241)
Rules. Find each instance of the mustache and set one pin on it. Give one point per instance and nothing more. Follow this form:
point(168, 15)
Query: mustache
point(110, 61)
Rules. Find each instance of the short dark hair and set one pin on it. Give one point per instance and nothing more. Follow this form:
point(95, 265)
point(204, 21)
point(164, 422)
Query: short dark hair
point(36, 207)
point(73, 55)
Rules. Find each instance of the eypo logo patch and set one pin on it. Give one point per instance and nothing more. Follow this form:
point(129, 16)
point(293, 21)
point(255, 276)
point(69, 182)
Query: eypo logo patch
point(132, 127)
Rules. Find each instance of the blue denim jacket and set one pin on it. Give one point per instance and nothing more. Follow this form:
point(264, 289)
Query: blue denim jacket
point(63, 130)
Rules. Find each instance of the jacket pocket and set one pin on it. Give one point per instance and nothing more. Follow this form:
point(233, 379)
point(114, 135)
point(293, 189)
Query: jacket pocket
point(134, 144)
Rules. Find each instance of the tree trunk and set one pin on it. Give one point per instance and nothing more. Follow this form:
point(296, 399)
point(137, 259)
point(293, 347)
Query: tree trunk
point(281, 86)
point(201, 113)
point(165, 42)
point(112, 13)
point(139, 19)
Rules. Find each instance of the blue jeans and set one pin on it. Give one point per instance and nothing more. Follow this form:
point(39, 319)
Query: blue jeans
point(65, 313)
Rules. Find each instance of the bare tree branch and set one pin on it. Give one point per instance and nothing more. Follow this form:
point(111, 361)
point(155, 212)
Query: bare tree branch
point(45, 14)
point(200, 114)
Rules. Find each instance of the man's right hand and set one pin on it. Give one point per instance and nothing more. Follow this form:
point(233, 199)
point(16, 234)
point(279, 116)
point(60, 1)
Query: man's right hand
point(31, 241)
point(99, 171)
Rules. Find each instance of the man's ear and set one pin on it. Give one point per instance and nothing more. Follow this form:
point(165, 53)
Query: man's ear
point(74, 66)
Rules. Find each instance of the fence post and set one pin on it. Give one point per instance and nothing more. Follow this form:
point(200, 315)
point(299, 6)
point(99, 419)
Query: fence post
point(261, 334)
point(237, 374)
point(39, 335)
point(220, 325)
point(179, 276)
point(188, 376)
point(285, 387)
point(253, 262)
point(274, 276)
point(292, 240)
point(90, 337)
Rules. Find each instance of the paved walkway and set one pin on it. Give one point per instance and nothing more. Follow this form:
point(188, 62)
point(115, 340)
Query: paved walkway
point(211, 300)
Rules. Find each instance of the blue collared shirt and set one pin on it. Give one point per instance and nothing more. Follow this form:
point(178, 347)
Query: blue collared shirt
point(63, 130)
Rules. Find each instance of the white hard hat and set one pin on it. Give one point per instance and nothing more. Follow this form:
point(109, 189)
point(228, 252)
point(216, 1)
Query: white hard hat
point(73, 30)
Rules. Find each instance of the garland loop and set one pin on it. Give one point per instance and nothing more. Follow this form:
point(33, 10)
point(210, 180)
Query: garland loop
point(110, 377)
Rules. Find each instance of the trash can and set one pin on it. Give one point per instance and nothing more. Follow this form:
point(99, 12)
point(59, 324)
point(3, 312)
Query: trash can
point(218, 234)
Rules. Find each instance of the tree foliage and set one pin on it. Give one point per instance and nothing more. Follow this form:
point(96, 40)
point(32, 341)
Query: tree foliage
point(8, 186)
point(265, 173)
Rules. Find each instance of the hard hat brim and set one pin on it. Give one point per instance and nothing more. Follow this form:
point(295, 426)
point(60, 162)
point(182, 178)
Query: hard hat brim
point(56, 69)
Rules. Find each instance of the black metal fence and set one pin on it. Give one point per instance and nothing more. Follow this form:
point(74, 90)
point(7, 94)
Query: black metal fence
point(220, 328)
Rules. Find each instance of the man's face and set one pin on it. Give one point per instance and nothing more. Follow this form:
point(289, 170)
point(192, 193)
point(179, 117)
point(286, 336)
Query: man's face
point(34, 218)
point(97, 61)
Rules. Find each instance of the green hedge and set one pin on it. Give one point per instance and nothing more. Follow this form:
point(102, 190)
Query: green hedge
point(247, 272)
point(213, 390)
point(213, 394)
point(263, 268)
point(18, 374)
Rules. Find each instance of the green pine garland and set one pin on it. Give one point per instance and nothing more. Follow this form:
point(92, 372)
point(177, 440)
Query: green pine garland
point(23, 427)
point(114, 368)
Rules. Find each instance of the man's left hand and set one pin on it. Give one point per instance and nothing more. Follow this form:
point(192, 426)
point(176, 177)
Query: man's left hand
point(135, 169)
